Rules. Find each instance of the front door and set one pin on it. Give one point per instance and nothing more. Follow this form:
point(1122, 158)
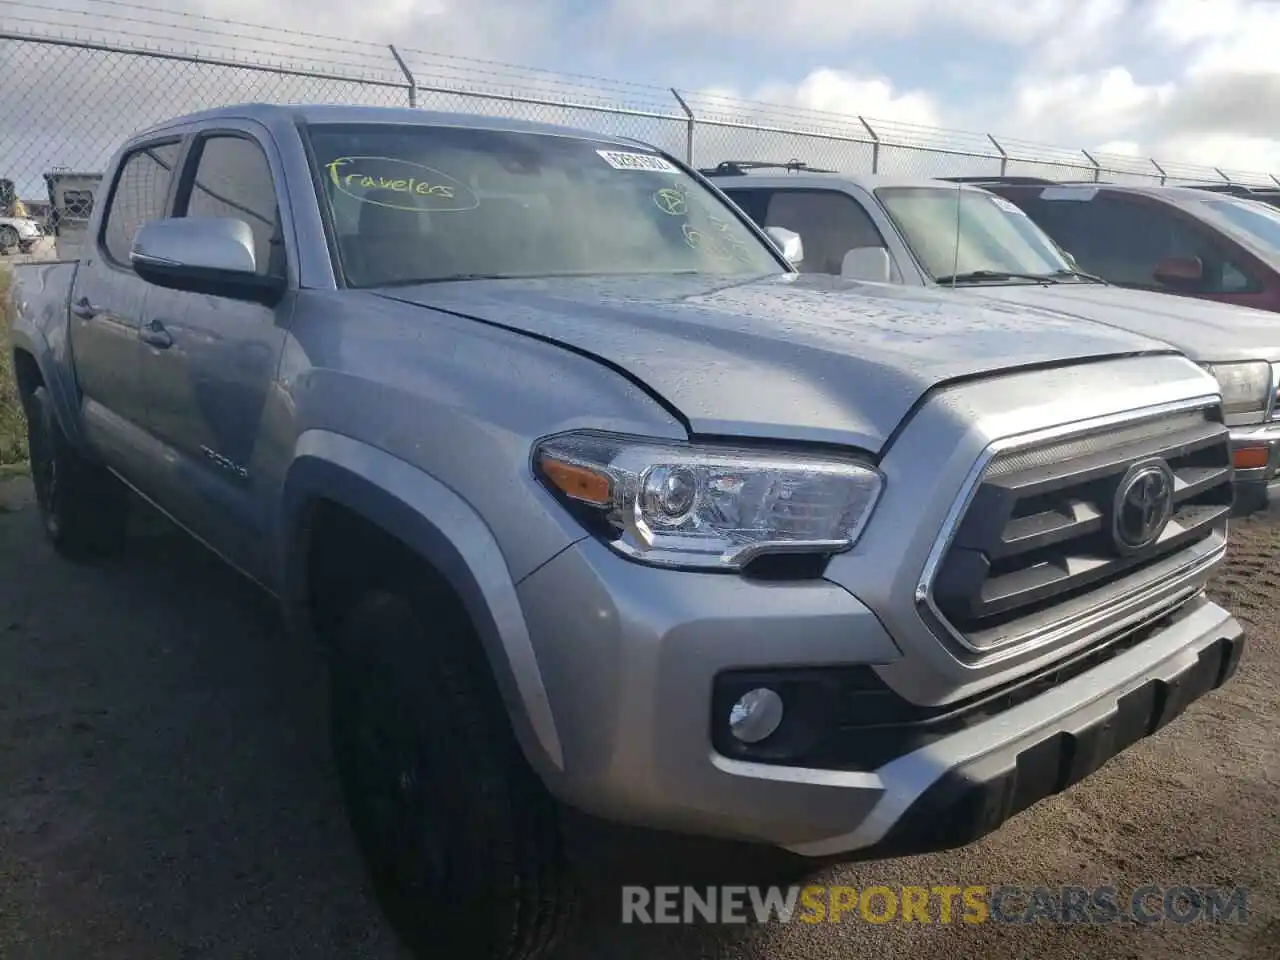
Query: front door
point(211, 362)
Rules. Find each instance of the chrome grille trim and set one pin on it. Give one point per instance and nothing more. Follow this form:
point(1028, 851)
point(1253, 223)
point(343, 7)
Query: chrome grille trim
point(1152, 598)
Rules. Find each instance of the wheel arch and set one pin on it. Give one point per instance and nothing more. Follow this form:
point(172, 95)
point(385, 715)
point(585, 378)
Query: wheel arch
point(441, 528)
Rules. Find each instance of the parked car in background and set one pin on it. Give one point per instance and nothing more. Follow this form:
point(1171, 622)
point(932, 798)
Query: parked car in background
point(1172, 240)
point(19, 231)
point(18, 234)
point(594, 503)
point(906, 231)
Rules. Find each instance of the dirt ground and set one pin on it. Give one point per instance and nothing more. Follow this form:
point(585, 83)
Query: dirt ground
point(166, 791)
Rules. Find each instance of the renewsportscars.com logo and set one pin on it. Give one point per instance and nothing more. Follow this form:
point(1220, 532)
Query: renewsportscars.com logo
point(970, 904)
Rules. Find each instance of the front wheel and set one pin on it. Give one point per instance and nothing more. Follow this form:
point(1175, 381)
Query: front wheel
point(8, 238)
point(461, 839)
point(83, 507)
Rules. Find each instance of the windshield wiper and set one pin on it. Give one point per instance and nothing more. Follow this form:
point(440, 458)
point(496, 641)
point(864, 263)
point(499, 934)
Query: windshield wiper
point(974, 276)
point(1079, 275)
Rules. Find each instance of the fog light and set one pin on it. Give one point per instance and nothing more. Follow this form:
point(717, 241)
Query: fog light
point(756, 715)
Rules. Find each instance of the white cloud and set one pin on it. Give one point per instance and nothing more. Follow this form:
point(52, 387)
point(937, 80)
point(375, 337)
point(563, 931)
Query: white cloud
point(819, 23)
point(1089, 107)
point(842, 92)
point(1119, 148)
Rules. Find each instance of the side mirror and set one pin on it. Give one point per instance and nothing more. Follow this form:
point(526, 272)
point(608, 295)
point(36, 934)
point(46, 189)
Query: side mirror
point(867, 263)
point(213, 255)
point(1179, 271)
point(789, 242)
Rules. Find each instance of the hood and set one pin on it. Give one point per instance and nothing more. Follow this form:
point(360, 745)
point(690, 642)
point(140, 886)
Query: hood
point(809, 357)
point(1206, 331)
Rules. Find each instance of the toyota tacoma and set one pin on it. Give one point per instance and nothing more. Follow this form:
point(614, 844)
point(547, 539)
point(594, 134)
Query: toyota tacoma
point(598, 507)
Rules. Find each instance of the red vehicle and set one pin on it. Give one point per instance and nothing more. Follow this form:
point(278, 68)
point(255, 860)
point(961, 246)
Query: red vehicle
point(1179, 240)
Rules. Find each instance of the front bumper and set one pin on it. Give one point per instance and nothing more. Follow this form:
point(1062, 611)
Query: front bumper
point(630, 656)
point(1256, 452)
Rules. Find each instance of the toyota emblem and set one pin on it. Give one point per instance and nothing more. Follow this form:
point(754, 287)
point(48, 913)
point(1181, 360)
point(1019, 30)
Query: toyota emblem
point(1143, 505)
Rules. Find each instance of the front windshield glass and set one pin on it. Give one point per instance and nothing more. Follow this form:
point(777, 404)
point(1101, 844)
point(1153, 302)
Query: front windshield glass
point(413, 204)
point(994, 235)
point(1256, 219)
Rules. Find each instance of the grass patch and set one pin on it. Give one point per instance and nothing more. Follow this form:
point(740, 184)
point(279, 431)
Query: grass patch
point(13, 426)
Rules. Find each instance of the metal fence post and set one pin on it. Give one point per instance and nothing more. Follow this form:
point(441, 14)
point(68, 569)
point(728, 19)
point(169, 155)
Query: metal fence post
point(1004, 157)
point(408, 75)
point(875, 143)
point(1275, 178)
point(1159, 170)
point(688, 142)
point(1222, 175)
point(1097, 169)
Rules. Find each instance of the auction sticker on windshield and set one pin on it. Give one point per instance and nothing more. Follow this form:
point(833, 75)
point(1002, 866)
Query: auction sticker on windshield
point(622, 160)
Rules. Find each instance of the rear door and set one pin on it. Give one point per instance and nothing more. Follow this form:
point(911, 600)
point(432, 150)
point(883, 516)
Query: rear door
point(107, 301)
point(211, 361)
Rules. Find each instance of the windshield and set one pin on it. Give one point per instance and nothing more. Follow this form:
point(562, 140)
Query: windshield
point(994, 234)
point(1256, 219)
point(413, 204)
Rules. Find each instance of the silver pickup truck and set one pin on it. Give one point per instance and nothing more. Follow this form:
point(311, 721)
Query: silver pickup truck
point(600, 508)
point(933, 234)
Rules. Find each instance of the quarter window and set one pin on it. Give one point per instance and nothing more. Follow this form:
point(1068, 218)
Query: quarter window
point(141, 192)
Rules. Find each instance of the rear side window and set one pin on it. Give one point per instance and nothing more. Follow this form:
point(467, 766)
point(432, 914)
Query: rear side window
point(1122, 240)
point(139, 196)
point(233, 179)
point(830, 222)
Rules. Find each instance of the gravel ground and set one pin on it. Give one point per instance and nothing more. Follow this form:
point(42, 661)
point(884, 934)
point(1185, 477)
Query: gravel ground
point(166, 791)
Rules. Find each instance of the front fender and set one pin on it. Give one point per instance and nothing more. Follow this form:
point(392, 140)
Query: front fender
point(442, 528)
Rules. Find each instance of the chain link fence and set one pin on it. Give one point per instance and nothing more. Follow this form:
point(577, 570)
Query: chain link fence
point(67, 103)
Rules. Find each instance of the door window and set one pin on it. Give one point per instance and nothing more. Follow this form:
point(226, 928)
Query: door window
point(233, 179)
point(140, 195)
point(830, 223)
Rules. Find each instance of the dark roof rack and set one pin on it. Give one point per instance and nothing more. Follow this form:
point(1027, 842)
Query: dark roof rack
point(739, 168)
point(1234, 189)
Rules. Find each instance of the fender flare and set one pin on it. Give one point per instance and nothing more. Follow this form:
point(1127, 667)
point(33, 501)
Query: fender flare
point(446, 531)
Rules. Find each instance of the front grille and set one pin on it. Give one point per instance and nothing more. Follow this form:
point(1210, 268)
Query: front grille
point(1038, 542)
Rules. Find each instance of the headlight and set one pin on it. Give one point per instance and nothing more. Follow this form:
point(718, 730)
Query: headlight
point(709, 506)
point(1246, 387)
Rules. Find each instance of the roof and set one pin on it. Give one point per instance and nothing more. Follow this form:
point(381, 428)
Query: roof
point(1175, 194)
point(271, 113)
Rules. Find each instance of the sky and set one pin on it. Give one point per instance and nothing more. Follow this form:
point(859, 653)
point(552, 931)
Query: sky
point(1196, 81)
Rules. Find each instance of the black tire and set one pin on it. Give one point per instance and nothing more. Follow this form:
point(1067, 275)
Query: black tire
point(84, 509)
point(462, 841)
point(8, 238)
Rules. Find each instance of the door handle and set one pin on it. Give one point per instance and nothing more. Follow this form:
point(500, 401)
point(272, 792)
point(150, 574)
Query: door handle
point(83, 309)
point(155, 335)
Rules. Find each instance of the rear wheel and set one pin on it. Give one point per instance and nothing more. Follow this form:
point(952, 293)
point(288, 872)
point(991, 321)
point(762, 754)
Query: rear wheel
point(461, 839)
point(8, 238)
point(83, 507)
